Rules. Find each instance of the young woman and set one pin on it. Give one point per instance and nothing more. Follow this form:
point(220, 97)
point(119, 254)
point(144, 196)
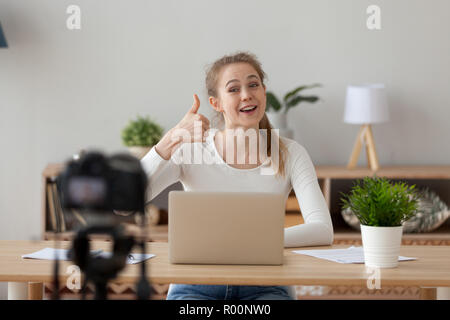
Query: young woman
point(237, 93)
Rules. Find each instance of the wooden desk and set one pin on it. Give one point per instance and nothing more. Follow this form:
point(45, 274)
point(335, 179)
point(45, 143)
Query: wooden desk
point(432, 269)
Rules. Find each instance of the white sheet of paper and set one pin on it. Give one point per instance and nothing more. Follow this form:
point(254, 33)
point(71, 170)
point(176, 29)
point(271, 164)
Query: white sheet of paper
point(49, 254)
point(133, 258)
point(350, 255)
point(138, 257)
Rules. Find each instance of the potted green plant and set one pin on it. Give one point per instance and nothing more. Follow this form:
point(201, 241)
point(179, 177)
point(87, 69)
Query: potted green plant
point(140, 135)
point(381, 207)
point(277, 110)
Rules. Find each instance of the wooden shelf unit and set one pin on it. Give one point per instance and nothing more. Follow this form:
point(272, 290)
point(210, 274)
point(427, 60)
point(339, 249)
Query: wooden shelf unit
point(423, 176)
point(327, 177)
point(326, 174)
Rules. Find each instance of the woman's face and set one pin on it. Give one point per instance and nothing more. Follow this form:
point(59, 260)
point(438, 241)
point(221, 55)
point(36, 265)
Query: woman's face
point(239, 88)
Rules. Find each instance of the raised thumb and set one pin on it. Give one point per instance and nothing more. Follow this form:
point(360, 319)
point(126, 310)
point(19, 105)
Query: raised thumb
point(195, 105)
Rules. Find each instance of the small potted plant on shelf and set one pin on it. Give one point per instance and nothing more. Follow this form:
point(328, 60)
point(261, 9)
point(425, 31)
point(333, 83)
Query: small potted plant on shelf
point(381, 207)
point(140, 135)
point(277, 110)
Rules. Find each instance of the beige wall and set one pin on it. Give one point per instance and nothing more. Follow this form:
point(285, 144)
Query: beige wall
point(62, 90)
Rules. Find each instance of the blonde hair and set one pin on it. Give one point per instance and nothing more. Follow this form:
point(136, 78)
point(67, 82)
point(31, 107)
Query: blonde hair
point(212, 77)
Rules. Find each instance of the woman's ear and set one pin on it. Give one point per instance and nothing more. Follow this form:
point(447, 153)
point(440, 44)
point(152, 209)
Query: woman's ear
point(215, 104)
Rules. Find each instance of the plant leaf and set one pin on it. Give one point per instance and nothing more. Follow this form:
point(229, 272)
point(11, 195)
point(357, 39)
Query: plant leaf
point(297, 99)
point(298, 89)
point(379, 202)
point(141, 132)
point(272, 101)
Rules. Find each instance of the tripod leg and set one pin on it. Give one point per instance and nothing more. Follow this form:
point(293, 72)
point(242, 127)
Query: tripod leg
point(101, 291)
point(143, 286)
point(83, 289)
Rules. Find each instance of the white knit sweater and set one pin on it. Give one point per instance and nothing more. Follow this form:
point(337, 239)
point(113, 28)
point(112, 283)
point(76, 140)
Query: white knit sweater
point(213, 174)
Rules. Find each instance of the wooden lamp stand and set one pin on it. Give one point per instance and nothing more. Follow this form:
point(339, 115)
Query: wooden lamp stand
point(364, 136)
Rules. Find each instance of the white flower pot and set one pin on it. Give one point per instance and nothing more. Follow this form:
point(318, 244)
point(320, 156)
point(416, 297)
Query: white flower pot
point(138, 151)
point(381, 246)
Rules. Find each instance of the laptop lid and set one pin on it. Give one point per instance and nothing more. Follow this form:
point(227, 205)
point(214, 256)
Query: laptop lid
point(226, 227)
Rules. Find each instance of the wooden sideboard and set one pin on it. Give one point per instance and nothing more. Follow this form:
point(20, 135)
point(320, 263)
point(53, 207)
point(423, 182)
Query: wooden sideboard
point(332, 180)
point(336, 179)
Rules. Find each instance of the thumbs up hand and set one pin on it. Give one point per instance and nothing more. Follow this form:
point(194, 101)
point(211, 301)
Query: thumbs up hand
point(192, 128)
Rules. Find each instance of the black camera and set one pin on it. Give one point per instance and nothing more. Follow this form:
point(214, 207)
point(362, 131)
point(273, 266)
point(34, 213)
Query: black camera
point(102, 183)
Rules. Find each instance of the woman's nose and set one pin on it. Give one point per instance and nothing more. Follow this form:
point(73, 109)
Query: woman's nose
point(245, 95)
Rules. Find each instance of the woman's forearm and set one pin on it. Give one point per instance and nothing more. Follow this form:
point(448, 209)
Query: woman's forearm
point(312, 234)
point(167, 145)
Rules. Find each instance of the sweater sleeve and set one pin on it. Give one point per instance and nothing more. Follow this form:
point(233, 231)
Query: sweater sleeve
point(161, 173)
point(318, 228)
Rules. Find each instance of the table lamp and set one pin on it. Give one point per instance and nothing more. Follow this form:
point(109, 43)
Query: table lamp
point(365, 105)
point(3, 43)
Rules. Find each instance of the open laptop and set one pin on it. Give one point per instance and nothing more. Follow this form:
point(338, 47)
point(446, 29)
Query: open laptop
point(226, 227)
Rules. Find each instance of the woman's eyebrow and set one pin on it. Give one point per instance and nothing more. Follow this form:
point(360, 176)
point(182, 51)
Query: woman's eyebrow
point(236, 80)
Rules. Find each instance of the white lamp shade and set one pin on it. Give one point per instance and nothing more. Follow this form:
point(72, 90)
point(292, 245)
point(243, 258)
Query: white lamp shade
point(366, 104)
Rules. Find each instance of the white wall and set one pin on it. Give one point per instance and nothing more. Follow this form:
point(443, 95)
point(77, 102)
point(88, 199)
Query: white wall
point(63, 90)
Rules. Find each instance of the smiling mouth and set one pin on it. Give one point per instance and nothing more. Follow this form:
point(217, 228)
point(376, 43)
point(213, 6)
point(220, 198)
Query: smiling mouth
point(248, 110)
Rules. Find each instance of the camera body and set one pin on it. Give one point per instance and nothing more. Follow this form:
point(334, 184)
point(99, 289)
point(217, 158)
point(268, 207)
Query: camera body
point(102, 184)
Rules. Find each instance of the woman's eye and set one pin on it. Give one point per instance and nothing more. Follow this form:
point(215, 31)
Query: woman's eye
point(236, 89)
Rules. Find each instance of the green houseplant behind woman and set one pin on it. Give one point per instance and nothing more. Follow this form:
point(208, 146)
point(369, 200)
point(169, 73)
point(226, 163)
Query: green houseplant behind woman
point(140, 135)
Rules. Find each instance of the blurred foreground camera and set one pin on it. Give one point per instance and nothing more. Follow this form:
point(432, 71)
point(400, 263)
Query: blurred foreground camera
point(103, 184)
point(95, 183)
